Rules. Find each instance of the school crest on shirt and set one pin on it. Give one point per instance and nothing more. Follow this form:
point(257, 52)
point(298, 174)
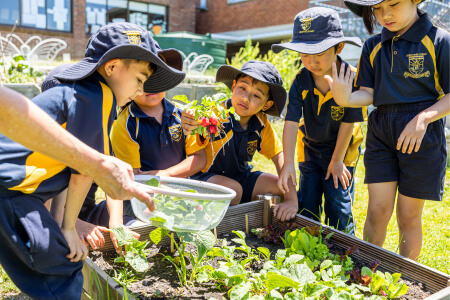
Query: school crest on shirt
point(251, 147)
point(337, 112)
point(415, 66)
point(306, 25)
point(134, 37)
point(175, 132)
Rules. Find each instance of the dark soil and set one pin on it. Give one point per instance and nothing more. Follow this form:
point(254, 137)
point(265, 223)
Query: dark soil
point(161, 280)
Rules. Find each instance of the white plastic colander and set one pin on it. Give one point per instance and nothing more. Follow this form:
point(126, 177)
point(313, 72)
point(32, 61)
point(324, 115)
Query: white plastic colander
point(178, 208)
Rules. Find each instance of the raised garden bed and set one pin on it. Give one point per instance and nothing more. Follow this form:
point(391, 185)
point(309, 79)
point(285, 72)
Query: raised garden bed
point(162, 281)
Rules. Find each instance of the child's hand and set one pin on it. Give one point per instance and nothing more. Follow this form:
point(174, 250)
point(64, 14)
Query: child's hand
point(90, 234)
point(286, 210)
point(341, 84)
point(188, 121)
point(77, 249)
point(287, 173)
point(114, 239)
point(412, 135)
point(340, 173)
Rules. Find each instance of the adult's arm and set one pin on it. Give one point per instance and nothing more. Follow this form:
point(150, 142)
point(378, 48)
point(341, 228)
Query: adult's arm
point(24, 122)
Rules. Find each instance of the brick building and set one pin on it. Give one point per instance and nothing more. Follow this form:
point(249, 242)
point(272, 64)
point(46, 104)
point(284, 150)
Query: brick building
point(265, 21)
point(74, 20)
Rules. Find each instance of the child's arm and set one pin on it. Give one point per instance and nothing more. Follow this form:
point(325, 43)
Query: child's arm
point(57, 207)
point(337, 168)
point(288, 173)
point(289, 207)
point(79, 186)
point(115, 210)
point(191, 165)
point(341, 86)
point(411, 137)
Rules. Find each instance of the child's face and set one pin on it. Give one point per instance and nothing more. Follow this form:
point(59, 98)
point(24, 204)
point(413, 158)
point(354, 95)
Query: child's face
point(249, 96)
point(320, 64)
point(126, 82)
point(149, 100)
point(396, 15)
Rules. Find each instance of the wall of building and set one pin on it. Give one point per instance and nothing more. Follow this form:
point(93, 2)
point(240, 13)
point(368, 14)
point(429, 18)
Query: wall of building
point(221, 16)
point(181, 18)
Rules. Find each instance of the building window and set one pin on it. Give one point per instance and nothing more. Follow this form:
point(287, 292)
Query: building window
point(42, 14)
point(153, 17)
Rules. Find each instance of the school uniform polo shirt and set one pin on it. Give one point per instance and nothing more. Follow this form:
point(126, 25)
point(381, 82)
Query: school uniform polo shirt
point(230, 152)
point(322, 117)
point(410, 68)
point(86, 109)
point(145, 144)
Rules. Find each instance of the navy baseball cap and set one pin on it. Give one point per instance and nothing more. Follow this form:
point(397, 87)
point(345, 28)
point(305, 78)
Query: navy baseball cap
point(124, 40)
point(262, 71)
point(316, 30)
point(356, 6)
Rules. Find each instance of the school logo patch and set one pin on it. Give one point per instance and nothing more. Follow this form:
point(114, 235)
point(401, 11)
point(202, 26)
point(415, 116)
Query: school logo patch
point(415, 66)
point(175, 132)
point(337, 113)
point(134, 37)
point(251, 147)
point(306, 25)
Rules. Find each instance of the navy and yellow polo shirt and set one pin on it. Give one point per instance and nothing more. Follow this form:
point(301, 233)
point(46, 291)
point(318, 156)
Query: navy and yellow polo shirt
point(86, 109)
point(230, 152)
point(145, 144)
point(410, 68)
point(322, 117)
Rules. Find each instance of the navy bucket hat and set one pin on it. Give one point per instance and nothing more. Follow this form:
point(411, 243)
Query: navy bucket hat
point(261, 71)
point(356, 6)
point(172, 58)
point(50, 80)
point(123, 40)
point(316, 30)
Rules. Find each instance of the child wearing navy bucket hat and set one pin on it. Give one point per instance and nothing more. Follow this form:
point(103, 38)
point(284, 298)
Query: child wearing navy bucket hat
point(40, 258)
point(328, 136)
point(257, 91)
point(404, 73)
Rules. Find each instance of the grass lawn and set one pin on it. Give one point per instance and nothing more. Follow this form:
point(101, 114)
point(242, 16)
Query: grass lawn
point(436, 223)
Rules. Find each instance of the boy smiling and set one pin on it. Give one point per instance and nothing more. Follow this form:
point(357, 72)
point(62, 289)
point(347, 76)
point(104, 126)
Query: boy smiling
point(257, 90)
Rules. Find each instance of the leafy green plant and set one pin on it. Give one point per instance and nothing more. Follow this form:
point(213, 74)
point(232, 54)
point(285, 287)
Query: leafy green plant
point(135, 254)
point(210, 112)
point(386, 284)
point(19, 71)
point(179, 214)
point(203, 241)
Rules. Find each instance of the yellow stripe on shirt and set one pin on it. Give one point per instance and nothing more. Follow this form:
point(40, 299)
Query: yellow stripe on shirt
point(106, 111)
point(38, 168)
point(428, 43)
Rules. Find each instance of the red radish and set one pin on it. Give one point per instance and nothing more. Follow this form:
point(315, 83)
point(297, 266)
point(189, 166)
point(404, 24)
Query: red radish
point(212, 129)
point(147, 211)
point(204, 122)
point(199, 207)
point(213, 120)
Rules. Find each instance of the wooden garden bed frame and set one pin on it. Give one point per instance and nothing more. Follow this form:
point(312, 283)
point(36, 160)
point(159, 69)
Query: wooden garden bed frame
point(258, 213)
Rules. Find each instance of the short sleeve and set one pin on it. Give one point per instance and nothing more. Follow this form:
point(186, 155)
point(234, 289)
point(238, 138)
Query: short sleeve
point(353, 115)
point(443, 60)
point(194, 143)
point(124, 140)
point(365, 74)
point(270, 143)
point(295, 104)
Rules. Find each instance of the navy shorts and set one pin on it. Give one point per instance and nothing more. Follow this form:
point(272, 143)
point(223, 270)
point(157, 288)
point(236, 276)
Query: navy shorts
point(246, 180)
point(419, 174)
point(33, 251)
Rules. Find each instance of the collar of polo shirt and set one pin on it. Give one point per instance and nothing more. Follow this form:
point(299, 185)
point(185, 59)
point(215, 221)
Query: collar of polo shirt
point(414, 34)
point(136, 111)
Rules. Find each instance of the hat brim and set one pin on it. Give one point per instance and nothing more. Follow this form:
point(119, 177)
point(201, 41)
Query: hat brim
point(164, 77)
point(356, 6)
point(157, 84)
point(227, 74)
point(316, 47)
